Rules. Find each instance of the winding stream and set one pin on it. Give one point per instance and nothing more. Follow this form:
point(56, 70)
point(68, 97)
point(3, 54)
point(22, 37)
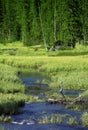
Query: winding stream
point(33, 112)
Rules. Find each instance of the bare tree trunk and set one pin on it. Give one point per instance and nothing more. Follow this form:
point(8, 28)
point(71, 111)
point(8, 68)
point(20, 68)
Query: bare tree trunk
point(61, 20)
point(55, 21)
point(84, 24)
point(43, 33)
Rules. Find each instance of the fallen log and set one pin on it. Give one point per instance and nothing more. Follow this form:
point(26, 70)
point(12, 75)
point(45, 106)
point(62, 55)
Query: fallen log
point(64, 101)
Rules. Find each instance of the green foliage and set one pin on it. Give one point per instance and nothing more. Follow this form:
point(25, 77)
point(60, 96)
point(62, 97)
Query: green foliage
point(85, 96)
point(54, 118)
point(5, 118)
point(33, 22)
point(9, 103)
point(12, 91)
point(74, 21)
point(72, 70)
point(72, 121)
point(9, 82)
point(65, 68)
point(84, 119)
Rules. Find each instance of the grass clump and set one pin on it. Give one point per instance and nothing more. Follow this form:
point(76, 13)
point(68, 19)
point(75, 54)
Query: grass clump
point(9, 103)
point(53, 118)
point(84, 119)
point(5, 118)
point(72, 121)
point(9, 82)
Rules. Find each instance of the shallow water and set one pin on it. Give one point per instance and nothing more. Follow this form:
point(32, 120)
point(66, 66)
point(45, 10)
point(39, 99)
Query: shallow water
point(33, 112)
point(40, 127)
point(33, 82)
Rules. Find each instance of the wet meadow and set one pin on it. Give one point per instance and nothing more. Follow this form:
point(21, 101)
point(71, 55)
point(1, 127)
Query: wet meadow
point(51, 68)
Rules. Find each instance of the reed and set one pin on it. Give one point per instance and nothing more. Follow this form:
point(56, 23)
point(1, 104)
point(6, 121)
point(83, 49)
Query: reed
point(73, 71)
point(84, 119)
point(72, 121)
point(68, 66)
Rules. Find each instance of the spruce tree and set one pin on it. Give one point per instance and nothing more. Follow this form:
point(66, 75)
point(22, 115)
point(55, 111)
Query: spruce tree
point(85, 21)
point(74, 21)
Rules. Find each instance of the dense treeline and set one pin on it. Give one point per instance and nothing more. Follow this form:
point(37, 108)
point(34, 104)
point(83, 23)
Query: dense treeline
point(44, 21)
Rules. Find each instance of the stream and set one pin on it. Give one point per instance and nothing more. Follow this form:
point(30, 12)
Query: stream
point(33, 112)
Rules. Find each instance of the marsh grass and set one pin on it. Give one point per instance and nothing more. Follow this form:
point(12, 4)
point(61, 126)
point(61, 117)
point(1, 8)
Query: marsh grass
point(9, 82)
point(53, 118)
point(85, 96)
point(11, 103)
point(5, 118)
point(79, 50)
point(18, 49)
point(84, 119)
point(72, 121)
point(72, 70)
point(12, 91)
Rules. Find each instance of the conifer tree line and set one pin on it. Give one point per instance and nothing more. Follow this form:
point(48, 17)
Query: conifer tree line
point(44, 21)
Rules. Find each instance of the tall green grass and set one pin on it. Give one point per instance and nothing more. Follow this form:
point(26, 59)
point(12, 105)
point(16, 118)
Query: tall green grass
point(56, 66)
point(9, 81)
point(73, 71)
point(84, 119)
point(11, 103)
point(12, 91)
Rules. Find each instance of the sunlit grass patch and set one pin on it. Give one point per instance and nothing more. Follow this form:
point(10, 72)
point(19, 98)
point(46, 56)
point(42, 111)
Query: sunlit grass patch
point(11, 103)
point(73, 71)
point(9, 81)
point(53, 118)
point(17, 49)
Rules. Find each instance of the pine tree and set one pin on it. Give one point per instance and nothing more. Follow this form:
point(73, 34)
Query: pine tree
point(85, 21)
point(1, 21)
point(74, 21)
point(35, 30)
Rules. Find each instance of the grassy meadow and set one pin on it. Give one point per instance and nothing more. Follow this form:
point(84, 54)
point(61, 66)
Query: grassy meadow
point(67, 66)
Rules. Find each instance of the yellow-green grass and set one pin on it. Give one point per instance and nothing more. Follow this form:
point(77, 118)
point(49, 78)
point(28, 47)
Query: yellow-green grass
point(14, 58)
point(10, 103)
point(84, 119)
point(12, 91)
point(18, 49)
point(9, 82)
point(73, 71)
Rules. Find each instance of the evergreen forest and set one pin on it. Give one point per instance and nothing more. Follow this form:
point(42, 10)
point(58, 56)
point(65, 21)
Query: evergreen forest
point(44, 22)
